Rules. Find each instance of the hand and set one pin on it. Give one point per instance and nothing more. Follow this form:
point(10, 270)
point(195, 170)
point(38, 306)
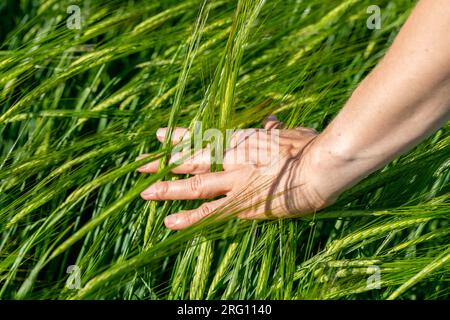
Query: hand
point(263, 177)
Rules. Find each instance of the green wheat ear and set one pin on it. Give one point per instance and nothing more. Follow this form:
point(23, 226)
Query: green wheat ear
point(78, 106)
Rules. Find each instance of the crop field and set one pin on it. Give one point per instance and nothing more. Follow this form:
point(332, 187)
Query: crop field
point(84, 86)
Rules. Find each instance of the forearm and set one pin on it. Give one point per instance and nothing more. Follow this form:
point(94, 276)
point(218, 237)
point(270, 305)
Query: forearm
point(404, 99)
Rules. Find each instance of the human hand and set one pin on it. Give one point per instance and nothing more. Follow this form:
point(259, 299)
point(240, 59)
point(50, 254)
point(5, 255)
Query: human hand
point(263, 177)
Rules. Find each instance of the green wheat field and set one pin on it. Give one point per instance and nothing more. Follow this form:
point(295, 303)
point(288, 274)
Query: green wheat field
point(78, 105)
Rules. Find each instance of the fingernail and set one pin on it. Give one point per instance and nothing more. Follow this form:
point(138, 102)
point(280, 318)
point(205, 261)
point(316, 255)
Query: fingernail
point(149, 192)
point(172, 220)
point(269, 119)
point(142, 169)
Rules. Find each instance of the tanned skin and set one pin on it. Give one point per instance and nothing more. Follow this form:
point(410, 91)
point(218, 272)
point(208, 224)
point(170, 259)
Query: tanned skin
point(402, 101)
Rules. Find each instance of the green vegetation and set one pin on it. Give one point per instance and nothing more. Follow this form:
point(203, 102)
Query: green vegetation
point(78, 106)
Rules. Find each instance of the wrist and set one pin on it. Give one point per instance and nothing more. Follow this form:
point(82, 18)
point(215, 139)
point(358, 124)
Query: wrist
point(329, 170)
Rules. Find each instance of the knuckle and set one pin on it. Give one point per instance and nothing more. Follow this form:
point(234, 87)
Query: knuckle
point(189, 219)
point(195, 185)
point(205, 210)
point(161, 189)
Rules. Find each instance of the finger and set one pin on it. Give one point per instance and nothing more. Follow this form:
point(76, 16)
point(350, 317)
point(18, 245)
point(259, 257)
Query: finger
point(199, 163)
point(150, 167)
point(202, 186)
point(186, 219)
point(178, 134)
point(272, 122)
